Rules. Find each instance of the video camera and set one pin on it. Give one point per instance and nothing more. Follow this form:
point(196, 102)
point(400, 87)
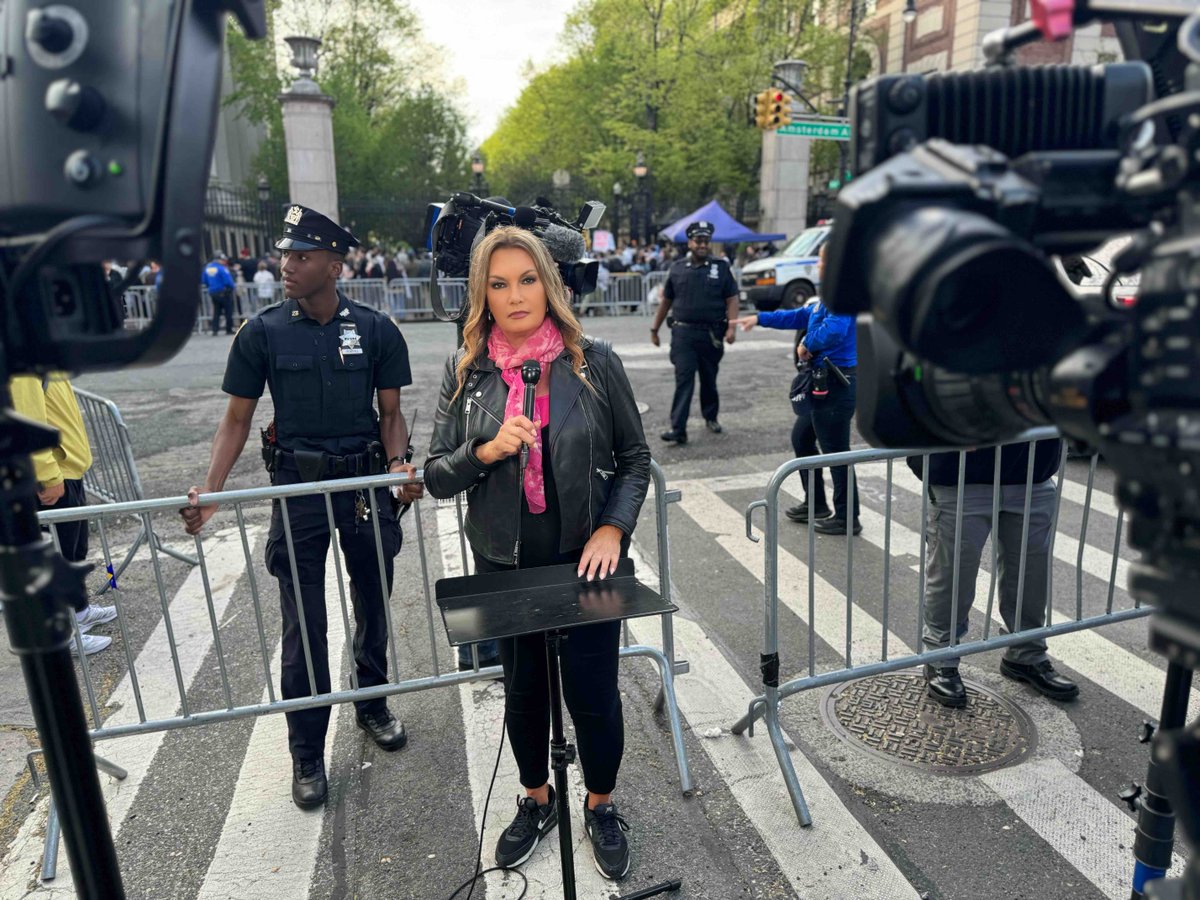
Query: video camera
point(455, 227)
point(967, 185)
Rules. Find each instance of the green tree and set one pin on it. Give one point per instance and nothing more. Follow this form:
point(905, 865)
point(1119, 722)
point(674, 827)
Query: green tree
point(674, 79)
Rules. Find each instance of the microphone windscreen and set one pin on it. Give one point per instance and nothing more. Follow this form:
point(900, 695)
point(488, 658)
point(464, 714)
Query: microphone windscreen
point(525, 217)
point(565, 244)
point(531, 371)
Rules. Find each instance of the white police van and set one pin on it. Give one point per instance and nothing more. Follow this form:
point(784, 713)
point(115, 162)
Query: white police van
point(788, 279)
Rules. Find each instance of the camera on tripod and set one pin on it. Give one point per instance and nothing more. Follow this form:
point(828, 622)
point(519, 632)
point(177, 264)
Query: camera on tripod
point(453, 229)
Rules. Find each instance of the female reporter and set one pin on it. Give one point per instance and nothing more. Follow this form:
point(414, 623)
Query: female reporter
point(587, 476)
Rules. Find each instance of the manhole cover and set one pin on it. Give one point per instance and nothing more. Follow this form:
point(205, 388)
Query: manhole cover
point(891, 717)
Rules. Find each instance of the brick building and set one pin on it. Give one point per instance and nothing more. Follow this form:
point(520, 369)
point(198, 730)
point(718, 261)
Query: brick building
point(947, 34)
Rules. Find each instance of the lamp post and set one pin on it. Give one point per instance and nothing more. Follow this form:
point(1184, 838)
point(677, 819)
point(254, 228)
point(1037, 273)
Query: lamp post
point(616, 218)
point(910, 12)
point(561, 179)
point(855, 11)
point(478, 185)
point(264, 208)
point(640, 171)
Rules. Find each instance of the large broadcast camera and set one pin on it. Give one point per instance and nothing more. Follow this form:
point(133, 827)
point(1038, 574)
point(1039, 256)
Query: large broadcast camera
point(454, 228)
point(968, 186)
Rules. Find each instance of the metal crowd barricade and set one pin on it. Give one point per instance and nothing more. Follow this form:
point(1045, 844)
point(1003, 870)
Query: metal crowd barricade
point(188, 616)
point(408, 297)
point(654, 282)
point(767, 705)
point(113, 477)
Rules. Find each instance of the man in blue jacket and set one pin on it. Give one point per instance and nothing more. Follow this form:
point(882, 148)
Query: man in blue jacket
point(220, 285)
point(829, 342)
point(1026, 662)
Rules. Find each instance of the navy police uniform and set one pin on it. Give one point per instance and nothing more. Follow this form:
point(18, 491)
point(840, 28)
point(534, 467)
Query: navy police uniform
point(323, 380)
point(698, 290)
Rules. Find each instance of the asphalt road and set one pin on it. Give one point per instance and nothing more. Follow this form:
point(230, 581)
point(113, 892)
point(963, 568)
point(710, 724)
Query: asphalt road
point(205, 812)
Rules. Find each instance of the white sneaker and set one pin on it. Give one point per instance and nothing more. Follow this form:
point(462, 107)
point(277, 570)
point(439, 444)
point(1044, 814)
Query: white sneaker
point(95, 615)
point(92, 643)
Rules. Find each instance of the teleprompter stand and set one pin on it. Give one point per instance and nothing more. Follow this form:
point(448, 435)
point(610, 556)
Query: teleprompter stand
point(550, 600)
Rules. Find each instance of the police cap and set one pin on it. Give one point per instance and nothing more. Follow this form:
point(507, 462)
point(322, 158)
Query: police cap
point(700, 229)
point(307, 229)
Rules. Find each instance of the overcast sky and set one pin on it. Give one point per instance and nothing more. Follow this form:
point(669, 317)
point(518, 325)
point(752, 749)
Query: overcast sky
point(487, 43)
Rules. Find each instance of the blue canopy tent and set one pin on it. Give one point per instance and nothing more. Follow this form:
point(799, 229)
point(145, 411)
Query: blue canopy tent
point(728, 229)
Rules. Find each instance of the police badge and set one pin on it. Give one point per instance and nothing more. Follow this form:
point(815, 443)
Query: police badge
point(293, 215)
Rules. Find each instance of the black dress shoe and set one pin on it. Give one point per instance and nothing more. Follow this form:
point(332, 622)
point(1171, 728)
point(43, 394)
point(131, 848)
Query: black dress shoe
point(1042, 677)
point(800, 513)
point(309, 785)
point(385, 729)
point(674, 437)
point(835, 526)
point(945, 686)
point(713, 425)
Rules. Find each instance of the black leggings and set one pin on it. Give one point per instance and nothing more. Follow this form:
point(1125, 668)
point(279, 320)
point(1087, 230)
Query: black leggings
point(590, 656)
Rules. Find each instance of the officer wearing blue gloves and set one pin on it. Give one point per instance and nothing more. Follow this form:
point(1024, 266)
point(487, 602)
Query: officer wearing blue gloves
point(220, 287)
point(829, 348)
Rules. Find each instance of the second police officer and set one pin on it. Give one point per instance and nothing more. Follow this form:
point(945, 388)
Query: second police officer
point(325, 360)
point(702, 297)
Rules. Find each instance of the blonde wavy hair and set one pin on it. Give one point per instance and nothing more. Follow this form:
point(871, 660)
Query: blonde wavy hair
point(478, 325)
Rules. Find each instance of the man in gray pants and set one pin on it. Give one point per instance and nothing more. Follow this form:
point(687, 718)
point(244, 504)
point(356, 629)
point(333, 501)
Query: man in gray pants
point(1022, 662)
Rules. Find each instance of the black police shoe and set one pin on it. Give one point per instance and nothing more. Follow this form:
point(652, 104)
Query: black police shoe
point(945, 686)
point(384, 728)
point(607, 830)
point(520, 839)
point(713, 425)
point(835, 526)
point(800, 513)
point(309, 785)
point(674, 437)
point(1042, 677)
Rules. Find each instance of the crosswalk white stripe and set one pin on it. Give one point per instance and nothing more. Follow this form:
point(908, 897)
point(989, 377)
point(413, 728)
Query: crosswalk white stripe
point(483, 716)
point(268, 848)
point(1099, 660)
point(1075, 491)
point(834, 859)
point(1105, 865)
point(156, 678)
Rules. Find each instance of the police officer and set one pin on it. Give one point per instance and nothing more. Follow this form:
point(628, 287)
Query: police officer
point(221, 287)
point(701, 291)
point(324, 359)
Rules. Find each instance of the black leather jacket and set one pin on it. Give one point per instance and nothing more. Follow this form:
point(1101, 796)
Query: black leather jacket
point(597, 448)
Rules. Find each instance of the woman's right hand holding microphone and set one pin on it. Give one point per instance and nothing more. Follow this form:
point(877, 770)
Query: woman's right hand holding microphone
point(516, 430)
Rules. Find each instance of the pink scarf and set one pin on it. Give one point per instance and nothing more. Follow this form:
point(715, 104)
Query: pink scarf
point(545, 345)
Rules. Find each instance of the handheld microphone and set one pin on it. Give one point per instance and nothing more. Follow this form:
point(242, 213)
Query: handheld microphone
point(531, 374)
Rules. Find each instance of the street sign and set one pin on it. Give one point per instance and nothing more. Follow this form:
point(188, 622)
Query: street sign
point(821, 129)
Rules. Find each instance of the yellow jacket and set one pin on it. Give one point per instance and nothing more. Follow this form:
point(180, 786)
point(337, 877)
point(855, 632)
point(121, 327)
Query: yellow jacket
point(54, 405)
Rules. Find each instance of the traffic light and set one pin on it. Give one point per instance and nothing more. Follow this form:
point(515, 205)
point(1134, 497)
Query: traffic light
point(772, 109)
point(762, 105)
point(781, 109)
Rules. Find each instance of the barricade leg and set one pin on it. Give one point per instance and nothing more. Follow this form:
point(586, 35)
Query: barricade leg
point(667, 693)
point(784, 757)
point(54, 829)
